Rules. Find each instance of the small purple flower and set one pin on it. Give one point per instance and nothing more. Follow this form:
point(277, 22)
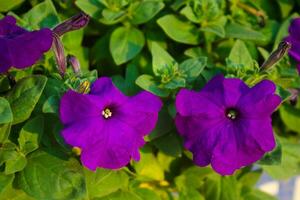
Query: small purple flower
point(107, 125)
point(21, 48)
point(294, 39)
point(227, 124)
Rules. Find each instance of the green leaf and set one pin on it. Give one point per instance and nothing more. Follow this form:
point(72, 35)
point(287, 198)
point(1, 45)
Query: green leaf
point(192, 178)
point(6, 115)
point(286, 7)
point(11, 193)
point(148, 83)
point(9, 5)
point(25, 96)
point(170, 144)
point(4, 132)
point(290, 116)
point(121, 195)
point(273, 157)
point(43, 15)
point(5, 181)
point(191, 194)
point(216, 27)
point(192, 67)
point(31, 134)
point(175, 82)
point(91, 7)
point(249, 179)
point(51, 105)
point(258, 195)
point(164, 124)
point(290, 162)
point(146, 194)
point(112, 16)
point(145, 10)
point(103, 182)
point(283, 93)
point(14, 161)
point(148, 167)
point(234, 30)
point(161, 59)
point(229, 188)
point(171, 25)
point(125, 44)
point(48, 177)
point(240, 55)
point(283, 30)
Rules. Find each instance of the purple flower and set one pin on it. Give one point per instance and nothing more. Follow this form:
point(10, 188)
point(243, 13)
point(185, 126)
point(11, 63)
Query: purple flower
point(21, 48)
point(107, 125)
point(294, 39)
point(227, 124)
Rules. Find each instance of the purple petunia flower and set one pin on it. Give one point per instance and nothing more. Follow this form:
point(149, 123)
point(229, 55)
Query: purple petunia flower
point(21, 48)
point(107, 125)
point(227, 123)
point(294, 39)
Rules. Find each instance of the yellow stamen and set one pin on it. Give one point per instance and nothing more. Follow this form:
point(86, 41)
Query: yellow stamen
point(106, 113)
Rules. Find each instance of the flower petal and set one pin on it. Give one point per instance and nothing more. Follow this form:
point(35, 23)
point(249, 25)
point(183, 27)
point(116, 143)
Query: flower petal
point(260, 101)
point(118, 144)
point(141, 112)
point(200, 136)
point(27, 48)
point(83, 133)
point(236, 148)
point(224, 91)
point(106, 90)
point(194, 103)
point(294, 51)
point(75, 107)
point(19, 47)
point(294, 29)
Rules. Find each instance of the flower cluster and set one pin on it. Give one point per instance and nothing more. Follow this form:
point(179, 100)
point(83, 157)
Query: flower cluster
point(227, 124)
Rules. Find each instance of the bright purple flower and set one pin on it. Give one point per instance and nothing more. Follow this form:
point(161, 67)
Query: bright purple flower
point(294, 39)
point(227, 124)
point(21, 48)
point(107, 125)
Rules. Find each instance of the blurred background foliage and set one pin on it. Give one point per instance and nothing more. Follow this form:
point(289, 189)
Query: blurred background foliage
point(159, 46)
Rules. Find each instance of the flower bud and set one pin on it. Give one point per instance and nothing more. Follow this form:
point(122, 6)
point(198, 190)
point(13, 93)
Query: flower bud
point(59, 53)
point(84, 87)
point(275, 56)
point(74, 23)
point(74, 62)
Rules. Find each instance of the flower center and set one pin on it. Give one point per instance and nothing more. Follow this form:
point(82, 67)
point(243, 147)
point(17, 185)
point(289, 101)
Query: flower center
point(106, 113)
point(231, 113)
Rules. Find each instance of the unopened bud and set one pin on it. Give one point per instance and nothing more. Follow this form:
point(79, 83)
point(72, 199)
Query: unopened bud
point(275, 56)
point(59, 53)
point(74, 62)
point(76, 151)
point(74, 23)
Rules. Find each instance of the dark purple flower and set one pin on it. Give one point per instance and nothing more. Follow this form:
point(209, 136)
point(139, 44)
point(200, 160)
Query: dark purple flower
point(107, 125)
point(294, 39)
point(227, 124)
point(21, 48)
